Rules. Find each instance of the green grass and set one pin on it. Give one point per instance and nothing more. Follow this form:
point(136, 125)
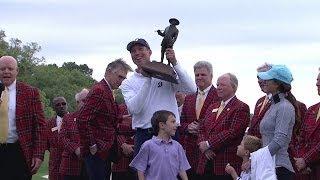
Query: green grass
point(43, 169)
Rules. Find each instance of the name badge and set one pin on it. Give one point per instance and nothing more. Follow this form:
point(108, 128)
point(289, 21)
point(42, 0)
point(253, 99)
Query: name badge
point(75, 119)
point(215, 110)
point(54, 129)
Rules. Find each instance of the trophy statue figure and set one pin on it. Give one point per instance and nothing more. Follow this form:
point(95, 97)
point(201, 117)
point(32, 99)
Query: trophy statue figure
point(159, 69)
point(169, 35)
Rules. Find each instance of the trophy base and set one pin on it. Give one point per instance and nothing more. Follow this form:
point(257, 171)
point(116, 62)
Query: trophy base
point(160, 71)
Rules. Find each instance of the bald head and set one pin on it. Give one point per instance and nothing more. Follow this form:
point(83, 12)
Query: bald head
point(8, 70)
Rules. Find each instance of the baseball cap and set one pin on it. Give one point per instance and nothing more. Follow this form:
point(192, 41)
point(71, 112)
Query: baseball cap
point(279, 72)
point(137, 41)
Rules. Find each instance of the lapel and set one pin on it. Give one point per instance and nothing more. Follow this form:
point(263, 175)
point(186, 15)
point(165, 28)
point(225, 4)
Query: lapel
point(260, 116)
point(208, 101)
point(19, 107)
point(315, 125)
point(224, 112)
point(193, 103)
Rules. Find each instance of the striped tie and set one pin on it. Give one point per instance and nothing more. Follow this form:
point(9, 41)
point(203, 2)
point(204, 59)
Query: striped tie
point(200, 102)
point(318, 115)
point(221, 107)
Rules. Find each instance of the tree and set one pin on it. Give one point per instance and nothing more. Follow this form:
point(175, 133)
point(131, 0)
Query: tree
point(82, 67)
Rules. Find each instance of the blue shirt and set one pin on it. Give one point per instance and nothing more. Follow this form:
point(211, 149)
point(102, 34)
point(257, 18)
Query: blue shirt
point(161, 160)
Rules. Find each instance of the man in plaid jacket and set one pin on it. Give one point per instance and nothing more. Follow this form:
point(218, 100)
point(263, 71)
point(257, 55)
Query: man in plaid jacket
point(222, 130)
point(98, 120)
point(189, 120)
point(22, 142)
point(71, 166)
point(54, 145)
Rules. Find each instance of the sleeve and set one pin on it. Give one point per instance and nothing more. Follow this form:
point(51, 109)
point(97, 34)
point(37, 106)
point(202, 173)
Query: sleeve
point(135, 100)
point(39, 127)
point(313, 154)
point(186, 84)
point(183, 161)
point(140, 162)
point(284, 120)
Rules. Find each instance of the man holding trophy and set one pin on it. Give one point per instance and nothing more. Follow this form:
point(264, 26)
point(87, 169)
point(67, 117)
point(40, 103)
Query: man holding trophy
point(145, 93)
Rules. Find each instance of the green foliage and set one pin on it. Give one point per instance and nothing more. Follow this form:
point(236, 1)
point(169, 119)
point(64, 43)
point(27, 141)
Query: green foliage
point(52, 80)
point(82, 67)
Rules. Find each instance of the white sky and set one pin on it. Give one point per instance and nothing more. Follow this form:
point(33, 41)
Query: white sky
point(235, 36)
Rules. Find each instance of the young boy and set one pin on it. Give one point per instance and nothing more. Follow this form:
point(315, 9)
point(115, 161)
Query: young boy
point(248, 145)
point(161, 157)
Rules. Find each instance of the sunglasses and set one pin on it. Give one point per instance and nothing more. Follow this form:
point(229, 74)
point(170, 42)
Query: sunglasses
point(61, 104)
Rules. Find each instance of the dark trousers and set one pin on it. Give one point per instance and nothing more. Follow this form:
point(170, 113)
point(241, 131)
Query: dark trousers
point(129, 175)
point(284, 174)
point(12, 163)
point(142, 135)
point(97, 168)
point(209, 175)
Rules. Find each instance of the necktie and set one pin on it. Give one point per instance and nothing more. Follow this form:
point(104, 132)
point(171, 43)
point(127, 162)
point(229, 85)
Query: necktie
point(200, 102)
point(4, 120)
point(318, 115)
point(265, 101)
point(221, 107)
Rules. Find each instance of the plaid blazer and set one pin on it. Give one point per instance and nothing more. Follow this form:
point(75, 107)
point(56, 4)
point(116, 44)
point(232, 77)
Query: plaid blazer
point(224, 134)
point(125, 134)
point(30, 122)
point(97, 120)
point(254, 126)
point(69, 137)
point(188, 115)
point(55, 148)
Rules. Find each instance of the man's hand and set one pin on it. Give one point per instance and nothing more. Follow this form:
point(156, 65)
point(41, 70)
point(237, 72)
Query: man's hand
point(300, 163)
point(170, 55)
point(193, 128)
point(203, 146)
point(77, 152)
point(127, 149)
point(230, 170)
point(93, 149)
point(35, 165)
point(209, 154)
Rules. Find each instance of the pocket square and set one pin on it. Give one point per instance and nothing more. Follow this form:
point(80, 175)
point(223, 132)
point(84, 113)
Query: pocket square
point(54, 128)
point(215, 110)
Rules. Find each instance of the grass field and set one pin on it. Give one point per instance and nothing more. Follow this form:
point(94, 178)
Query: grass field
point(43, 169)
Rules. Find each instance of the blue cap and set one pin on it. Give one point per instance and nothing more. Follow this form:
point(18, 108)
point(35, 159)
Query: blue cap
point(137, 41)
point(279, 72)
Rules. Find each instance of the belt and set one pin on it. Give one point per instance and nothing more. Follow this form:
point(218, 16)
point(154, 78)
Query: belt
point(3, 145)
point(149, 130)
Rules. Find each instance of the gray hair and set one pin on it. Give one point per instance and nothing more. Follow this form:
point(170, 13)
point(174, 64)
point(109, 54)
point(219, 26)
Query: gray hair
point(234, 81)
point(203, 64)
point(82, 94)
point(265, 67)
point(118, 63)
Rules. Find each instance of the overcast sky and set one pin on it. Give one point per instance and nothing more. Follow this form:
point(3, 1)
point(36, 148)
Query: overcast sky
point(235, 36)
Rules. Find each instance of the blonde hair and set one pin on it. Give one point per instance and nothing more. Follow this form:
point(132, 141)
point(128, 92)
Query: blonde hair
point(251, 143)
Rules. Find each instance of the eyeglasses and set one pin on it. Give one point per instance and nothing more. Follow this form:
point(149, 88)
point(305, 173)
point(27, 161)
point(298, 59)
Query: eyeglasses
point(61, 104)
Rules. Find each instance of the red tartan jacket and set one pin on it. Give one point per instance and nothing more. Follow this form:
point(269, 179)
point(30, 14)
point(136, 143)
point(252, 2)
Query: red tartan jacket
point(97, 120)
point(309, 146)
point(55, 148)
point(224, 134)
point(69, 137)
point(30, 122)
point(188, 115)
point(125, 134)
point(254, 126)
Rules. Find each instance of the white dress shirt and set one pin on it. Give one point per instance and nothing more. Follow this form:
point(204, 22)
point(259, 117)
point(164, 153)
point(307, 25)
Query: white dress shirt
point(12, 132)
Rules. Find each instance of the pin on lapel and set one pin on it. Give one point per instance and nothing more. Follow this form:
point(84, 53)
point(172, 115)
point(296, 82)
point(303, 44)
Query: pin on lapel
point(228, 109)
point(74, 119)
point(54, 128)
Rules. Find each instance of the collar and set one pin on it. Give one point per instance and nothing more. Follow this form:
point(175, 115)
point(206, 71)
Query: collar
point(107, 83)
point(160, 141)
point(12, 86)
point(206, 90)
point(227, 101)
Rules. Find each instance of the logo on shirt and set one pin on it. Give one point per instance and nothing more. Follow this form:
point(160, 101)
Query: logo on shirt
point(159, 84)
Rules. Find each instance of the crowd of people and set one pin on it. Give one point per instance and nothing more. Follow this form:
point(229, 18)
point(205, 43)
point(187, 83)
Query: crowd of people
point(163, 131)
